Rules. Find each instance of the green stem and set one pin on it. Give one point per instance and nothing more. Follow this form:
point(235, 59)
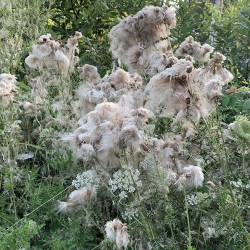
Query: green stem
point(188, 222)
point(3, 217)
point(165, 198)
point(87, 213)
point(222, 137)
point(225, 166)
point(19, 38)
point(146, 224)
point(243, 157)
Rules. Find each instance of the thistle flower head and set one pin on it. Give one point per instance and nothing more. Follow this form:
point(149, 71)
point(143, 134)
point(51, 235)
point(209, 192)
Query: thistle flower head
point(82, 195)
point(7, 88)
point(213, 87)
point(136, 36)
point(192, 176)
point(219, 58)
point(49, 52)
point(78, 34)
point(117, 232)
point(65, 207)
point(30, 108)
point(224, 74)
point(89, 73)
point(171, 177)
point(166, 92)
point(76, 199)
point(190, 47)
point(32, 61)
point(106, 130)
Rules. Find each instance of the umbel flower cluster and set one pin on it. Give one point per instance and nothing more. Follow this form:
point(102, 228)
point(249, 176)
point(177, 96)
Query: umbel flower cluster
point(125, 182)
point(112, 134)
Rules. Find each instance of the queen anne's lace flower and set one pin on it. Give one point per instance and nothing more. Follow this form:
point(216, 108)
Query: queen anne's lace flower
point(192, 200)
point(125, 181)
point(130, 212)
point(88, 178)
point(148, 163)
point(149, 129)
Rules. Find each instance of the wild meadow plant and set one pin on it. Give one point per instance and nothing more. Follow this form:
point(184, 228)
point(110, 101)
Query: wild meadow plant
point(183, 187)
point(21, 21)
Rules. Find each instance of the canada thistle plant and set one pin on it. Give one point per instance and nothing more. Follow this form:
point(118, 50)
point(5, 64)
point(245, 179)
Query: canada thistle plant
point(137, 186)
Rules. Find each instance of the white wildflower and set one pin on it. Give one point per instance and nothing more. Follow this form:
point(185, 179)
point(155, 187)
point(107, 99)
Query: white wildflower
point(148, 163)
point(209, 232)
point(25, 156)
point(237, 184)
point(125, 181)
point(130, 212)
point(149, 129)
point(88, 178)
point(192, 200)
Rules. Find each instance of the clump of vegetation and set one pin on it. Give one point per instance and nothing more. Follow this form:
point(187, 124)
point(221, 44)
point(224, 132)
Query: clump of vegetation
point(143, 156)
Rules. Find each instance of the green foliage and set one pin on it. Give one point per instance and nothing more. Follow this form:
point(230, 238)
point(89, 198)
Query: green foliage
point(235, 103)
point(19, 237)
point(192, 19)
point(93, 19)
point(21, 23)
point(203, 218)
point(232, 31)
point(162, 125)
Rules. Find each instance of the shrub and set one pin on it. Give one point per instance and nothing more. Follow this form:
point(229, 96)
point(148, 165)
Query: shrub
point(139, 158)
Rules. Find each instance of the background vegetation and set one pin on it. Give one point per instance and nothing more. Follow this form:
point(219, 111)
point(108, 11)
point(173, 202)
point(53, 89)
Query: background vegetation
point(34, 174)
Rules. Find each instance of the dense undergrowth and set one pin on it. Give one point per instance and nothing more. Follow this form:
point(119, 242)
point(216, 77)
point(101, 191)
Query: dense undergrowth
point(124, 131)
